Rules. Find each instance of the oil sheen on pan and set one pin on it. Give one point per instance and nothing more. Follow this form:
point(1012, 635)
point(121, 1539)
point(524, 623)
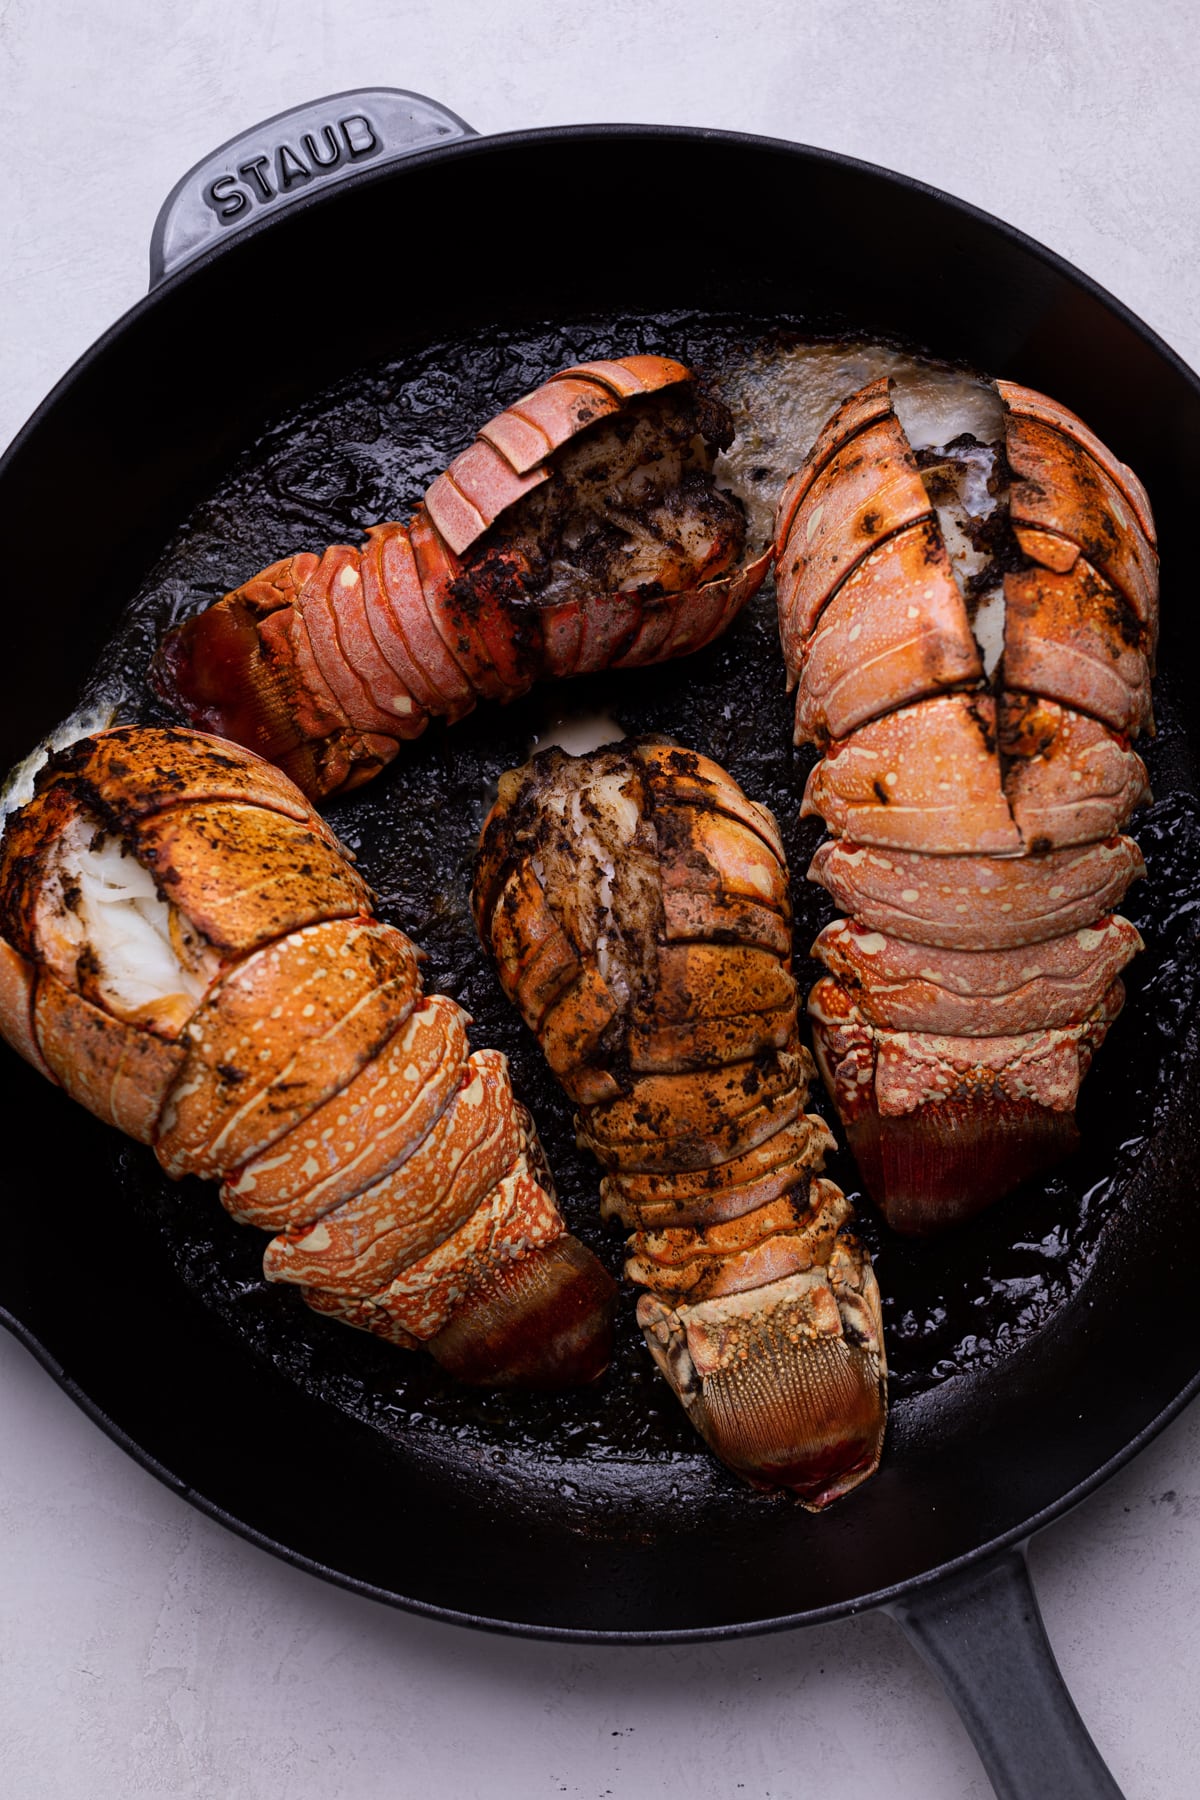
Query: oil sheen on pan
point(367, 449)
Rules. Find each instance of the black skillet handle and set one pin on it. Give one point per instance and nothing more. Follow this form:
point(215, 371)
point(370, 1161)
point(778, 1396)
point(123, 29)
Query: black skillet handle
point(260, 170)
point(982, 1633)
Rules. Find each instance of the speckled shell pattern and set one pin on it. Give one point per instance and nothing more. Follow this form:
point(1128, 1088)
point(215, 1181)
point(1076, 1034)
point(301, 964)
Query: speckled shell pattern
point(339, 1107)
point(976, 822)
point(327, 663)
point(760, 1306)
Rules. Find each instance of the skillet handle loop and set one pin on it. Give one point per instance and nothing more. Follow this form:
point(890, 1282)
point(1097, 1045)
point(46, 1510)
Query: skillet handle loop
point(982, 1633)
point(312, 146)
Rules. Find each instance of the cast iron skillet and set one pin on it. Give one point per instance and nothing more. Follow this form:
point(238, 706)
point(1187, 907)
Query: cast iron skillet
point(421, 230)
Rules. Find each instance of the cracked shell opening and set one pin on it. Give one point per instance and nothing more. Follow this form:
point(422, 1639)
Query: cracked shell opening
point(106, 930)
point(630, 503)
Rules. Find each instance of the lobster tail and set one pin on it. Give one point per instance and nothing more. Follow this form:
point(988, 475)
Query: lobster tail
point(970, 629)
point(582, 530)
point(636, 903)
point(188, 952)
point(544, 1321)
point(809, 1421)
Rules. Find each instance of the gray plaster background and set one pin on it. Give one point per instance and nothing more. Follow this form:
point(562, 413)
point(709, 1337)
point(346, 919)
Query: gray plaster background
point(144, 1651)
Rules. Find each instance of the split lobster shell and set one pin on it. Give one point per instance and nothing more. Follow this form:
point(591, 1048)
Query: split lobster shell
point(188, 952)
point(972, 658)
point(580, 531)
point(636, 904)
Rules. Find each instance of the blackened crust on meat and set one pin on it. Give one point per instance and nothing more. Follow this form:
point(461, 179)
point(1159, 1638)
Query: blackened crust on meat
point(594, 849)
point(630, 505)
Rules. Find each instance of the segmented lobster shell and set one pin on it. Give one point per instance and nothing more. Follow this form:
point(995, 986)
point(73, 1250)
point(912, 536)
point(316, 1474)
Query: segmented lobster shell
point(976, 819)
point(340, 1107)
point(636, 904)
point(325, 665)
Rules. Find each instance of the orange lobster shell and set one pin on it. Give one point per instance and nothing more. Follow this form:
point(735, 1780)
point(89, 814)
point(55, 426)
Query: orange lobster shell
point(636, 904)
point(976, 820)
point(326, 664)
point(339, 1107)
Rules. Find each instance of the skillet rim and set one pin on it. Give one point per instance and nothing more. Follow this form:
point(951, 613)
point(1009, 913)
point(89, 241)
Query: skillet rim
point(884, 1597)
point(489, 144)
point(128, 322)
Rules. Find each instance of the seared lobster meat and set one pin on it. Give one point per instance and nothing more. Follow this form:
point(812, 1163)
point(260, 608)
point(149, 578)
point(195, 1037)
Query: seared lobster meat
point(188, 952)
point(582, 530)
point(636, 904)
point(970, 629)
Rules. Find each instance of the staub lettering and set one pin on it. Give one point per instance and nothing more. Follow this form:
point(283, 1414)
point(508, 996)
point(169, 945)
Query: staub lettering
point(261, 179)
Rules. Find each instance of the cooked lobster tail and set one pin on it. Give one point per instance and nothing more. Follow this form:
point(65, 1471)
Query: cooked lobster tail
point(582, 530)
point(970, 629)
point(188, 952)
point(636, 904)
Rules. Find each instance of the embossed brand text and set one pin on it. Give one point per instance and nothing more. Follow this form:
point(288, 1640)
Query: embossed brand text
point(288, 166)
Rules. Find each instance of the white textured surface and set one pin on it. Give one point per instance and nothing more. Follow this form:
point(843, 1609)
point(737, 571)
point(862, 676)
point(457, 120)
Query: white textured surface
point(144, 1651)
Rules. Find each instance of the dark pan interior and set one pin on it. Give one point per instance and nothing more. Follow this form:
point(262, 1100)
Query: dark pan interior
point(239, 415)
